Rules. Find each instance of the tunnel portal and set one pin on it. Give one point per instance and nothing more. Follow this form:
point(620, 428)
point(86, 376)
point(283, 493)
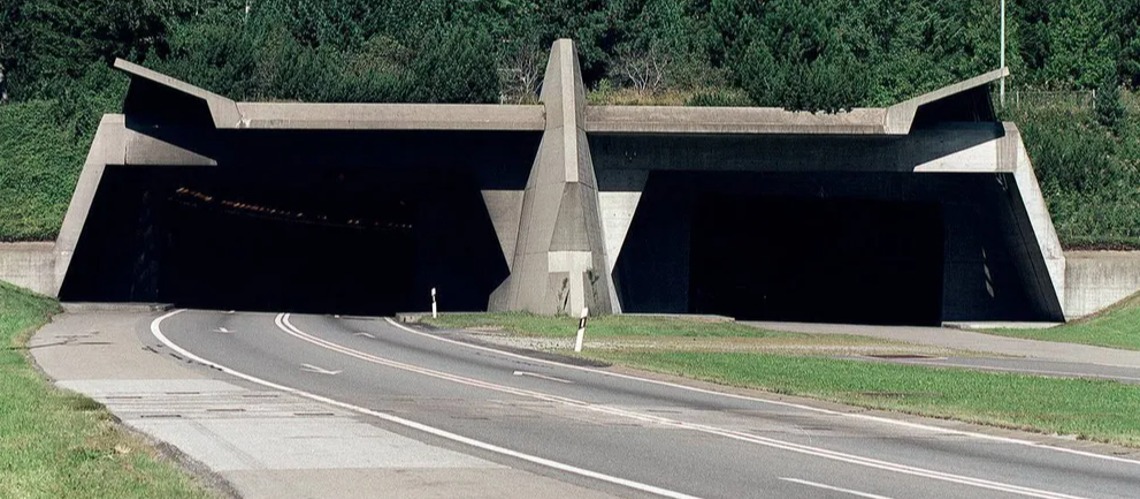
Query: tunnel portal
point(845, 260)
point(822, 247)
point(922, 212)
point(338, 236)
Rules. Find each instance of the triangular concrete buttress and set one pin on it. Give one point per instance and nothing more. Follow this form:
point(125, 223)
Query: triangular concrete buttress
point(559, 264)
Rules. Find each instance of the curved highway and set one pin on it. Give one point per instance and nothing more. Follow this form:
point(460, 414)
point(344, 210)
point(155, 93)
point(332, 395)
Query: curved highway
point(621, 433)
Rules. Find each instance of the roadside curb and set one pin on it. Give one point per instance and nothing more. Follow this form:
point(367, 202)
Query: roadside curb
point(80, 307)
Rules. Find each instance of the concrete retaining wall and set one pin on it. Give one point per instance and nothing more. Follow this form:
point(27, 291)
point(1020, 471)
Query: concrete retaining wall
point(29, 265)
point(1097, 279)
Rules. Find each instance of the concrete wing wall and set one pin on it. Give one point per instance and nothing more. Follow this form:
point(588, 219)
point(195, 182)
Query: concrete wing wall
point(1098, 279)
point(28, 265)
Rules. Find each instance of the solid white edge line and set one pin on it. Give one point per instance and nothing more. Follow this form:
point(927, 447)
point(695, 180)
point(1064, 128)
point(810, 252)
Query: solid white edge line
point(156, 331)
point(833, 488)
point(866, 417)
point(282, 321)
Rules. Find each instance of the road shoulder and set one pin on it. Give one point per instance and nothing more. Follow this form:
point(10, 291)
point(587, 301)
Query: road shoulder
point(261, 442)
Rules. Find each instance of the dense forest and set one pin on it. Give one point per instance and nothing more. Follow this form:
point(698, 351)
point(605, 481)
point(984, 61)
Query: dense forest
point(820, 55)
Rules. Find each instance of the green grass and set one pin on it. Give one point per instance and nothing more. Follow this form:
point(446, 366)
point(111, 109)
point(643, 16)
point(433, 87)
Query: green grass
point(1116, 327)
point(606, 326)
point(58, 444)
point(1089, 175)
point(40, 161)
point(1104, 411)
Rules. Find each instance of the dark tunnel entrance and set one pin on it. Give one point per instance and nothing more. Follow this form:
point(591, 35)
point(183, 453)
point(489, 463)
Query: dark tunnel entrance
point(345, 241)
point(350, 239)
point(786, 247)
point(845, 260)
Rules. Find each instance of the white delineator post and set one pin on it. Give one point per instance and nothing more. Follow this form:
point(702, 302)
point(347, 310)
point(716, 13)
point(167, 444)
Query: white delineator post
point(581, 329)
point(434, 307)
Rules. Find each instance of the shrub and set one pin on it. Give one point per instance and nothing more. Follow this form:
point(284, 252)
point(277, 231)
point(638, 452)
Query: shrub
point(1109, 107)
point(718, 97)
point(39, 165)
point(1089, 176)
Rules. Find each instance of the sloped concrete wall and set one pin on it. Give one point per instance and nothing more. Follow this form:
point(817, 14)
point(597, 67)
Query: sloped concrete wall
point(1097, 279)
point(29, 265)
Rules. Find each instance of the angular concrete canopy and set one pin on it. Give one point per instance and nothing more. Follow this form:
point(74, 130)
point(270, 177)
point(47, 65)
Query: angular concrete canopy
point(565, 227)
point(227, 114)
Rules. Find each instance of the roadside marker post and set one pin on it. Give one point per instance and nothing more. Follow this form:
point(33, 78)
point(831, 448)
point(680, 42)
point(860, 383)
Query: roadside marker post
point(581, 330)
point(434, 307)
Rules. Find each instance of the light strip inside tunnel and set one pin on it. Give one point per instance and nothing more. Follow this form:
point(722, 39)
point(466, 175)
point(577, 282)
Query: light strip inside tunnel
point(199, 200)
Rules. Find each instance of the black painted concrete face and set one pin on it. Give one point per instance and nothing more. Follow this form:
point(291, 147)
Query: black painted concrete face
point(293, 231)
point(833, 260)
point(823, 247)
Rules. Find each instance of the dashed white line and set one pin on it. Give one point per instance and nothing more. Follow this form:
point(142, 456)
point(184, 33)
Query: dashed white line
point(156, 331)
point(319, 370)
point(543, 376)
point(833, 488)
point(283, 323)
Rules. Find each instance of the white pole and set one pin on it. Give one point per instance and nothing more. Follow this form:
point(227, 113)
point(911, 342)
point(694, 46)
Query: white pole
point(581, 329)
point(434, 307)
point(1002, 84)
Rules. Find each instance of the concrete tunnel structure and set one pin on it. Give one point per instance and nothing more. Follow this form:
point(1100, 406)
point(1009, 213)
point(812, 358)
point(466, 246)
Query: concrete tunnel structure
point(922, 212)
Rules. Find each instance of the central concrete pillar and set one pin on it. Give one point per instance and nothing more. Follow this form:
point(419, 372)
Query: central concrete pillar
point(559, 263)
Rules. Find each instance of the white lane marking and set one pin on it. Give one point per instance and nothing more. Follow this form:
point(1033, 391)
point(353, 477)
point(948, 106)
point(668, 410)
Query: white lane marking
point(836, 489)
point(157, 333)
point(309, 368)
point(543, 376)
point(366, 335)
point(285, 325)
point(865, 417)
point(223, 330)
point(1018, 370)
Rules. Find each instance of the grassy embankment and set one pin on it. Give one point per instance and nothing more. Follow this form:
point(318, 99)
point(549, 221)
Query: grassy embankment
point(1089, 174)
point(58, 444)
point(1103, 411)
point(1116, 327)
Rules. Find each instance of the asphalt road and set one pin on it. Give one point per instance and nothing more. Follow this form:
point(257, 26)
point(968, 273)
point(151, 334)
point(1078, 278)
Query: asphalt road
point(1036, 367)
point(618, 433)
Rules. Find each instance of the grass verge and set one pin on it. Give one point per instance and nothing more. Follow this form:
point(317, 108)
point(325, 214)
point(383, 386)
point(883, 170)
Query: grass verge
point(1116, 327)
point(606, 326)
point(638, 332)
point(58, 444)
point(1103, 411)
